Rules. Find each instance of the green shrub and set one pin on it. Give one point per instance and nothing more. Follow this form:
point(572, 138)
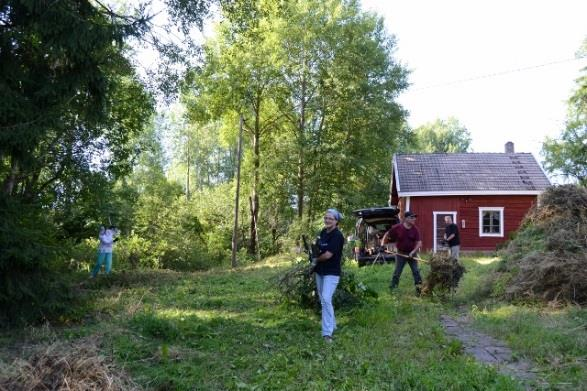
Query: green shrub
point(298, 286)
point(34, 297)
point(151, 325)
point(33, 287)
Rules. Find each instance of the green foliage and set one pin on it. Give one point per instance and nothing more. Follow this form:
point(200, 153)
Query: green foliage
point(567, 154)
point(153, 326)
point(31, 289)
point(298, 286)
point(316, 83)
point(442, 136)
point(135, 251)
point(27, 238)
point(37, 296)
point(73, 97)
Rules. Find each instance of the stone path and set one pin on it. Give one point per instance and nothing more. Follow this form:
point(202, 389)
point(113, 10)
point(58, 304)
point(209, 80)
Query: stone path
point(487, 350)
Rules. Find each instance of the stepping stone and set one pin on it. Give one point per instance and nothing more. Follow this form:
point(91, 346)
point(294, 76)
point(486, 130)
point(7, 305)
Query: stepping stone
point(487, 349)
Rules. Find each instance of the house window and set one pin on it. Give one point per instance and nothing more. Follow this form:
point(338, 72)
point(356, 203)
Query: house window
point(491, 221)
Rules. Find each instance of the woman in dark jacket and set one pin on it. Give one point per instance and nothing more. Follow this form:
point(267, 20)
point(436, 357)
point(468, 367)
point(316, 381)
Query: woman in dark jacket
point(330, 243)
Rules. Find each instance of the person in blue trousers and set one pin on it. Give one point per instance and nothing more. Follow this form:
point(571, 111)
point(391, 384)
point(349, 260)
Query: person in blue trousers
point(107, 238)
point(327, 268)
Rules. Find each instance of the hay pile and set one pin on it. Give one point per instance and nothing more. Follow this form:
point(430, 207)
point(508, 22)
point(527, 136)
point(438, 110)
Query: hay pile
point(445, 274)
point(61, 366)
point(298, 286)
point(547, 260)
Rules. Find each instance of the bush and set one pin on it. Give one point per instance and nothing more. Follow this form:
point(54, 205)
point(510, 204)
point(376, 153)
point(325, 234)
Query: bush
point(298, 286)
point(33, 286)
point(33, 297)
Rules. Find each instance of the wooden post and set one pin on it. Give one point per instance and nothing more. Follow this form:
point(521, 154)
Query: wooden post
point(233, 261)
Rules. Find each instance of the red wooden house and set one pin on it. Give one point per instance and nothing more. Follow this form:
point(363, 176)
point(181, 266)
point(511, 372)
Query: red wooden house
point(487, 194)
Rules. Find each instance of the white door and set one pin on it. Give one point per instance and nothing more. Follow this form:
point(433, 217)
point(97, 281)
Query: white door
point(439, 225)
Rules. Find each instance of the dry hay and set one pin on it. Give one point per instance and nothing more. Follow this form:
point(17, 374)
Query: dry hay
point(551, 277)
point(445, 274)
point(547, 259)
point(65, 366)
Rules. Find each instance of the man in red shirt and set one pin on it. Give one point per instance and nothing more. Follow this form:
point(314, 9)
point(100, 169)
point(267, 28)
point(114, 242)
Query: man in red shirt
point(405, 237)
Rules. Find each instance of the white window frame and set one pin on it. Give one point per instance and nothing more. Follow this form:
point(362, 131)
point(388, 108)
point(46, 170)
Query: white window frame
point(434, 214)
point(501, 221)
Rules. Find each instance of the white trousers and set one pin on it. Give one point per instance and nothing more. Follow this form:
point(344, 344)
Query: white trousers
point(326, 285)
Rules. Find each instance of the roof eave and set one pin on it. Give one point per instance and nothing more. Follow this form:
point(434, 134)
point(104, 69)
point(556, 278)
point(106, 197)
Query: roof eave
point(459, 193)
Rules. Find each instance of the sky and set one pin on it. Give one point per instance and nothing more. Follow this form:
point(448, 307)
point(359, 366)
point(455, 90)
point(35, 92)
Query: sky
point(503, 68)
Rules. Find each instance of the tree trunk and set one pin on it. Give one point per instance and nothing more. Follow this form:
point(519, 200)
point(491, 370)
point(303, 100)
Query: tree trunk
point(302, 145)
point(301, 189)
point(187, 179)
point(254, 199)
point(10, 181)
point(233, 262)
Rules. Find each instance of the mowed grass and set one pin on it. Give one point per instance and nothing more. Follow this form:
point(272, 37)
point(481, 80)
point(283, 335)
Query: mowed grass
point(554, 338)
point(228, 330)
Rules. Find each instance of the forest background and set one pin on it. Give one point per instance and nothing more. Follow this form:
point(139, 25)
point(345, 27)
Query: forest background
point(88, 138)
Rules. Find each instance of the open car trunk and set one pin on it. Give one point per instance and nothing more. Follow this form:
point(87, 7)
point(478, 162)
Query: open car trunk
point(371, 225)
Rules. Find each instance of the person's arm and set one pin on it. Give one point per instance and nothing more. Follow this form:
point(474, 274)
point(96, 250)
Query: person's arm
point(451, 232)
point(389, 238)
point(106, 238)
point(384, 238)
point(334, 245)
point(418, 243)
point(325, 256)
point(415, 250)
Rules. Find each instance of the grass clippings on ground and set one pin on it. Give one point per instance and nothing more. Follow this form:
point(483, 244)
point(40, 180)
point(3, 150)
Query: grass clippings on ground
point(75, 366)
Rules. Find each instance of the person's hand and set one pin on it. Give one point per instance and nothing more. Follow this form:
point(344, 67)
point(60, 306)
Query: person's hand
point(412, 254)
point(314, 262)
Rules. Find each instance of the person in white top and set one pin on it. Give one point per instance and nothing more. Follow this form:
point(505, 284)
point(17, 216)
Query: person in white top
point(107, 238)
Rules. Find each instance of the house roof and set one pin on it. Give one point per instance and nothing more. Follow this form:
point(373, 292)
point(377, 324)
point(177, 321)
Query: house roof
point(468, 174)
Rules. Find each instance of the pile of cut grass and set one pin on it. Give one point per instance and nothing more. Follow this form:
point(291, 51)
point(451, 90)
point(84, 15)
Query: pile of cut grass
point(444, 275)
point(547, 260)
point(75, 366)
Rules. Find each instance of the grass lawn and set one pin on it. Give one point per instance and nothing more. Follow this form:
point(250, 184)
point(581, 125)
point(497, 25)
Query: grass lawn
point(227, 330)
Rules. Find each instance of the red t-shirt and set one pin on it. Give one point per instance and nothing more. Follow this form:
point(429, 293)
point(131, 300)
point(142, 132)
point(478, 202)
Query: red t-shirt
point(404, 239)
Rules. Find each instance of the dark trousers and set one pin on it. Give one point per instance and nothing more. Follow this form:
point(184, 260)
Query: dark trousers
point(400, 262)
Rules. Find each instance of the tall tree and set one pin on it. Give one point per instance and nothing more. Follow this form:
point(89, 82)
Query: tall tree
point(567, 155)
point(316, 82)
point(442, 136)
point(339, 83)
point(239, 78)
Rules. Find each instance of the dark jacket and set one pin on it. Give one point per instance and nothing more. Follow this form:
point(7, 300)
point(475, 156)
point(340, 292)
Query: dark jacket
point(330, 241)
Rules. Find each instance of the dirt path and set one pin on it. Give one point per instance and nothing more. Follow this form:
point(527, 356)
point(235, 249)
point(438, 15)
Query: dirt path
point(488, 350)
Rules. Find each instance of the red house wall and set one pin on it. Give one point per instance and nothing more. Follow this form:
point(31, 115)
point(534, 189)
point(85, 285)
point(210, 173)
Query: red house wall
point(467, 208)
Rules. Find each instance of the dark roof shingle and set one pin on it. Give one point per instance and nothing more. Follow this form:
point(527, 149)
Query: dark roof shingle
point(468, 172)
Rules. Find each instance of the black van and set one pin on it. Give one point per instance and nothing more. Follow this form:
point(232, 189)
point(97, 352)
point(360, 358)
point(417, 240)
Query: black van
point(371, 225)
